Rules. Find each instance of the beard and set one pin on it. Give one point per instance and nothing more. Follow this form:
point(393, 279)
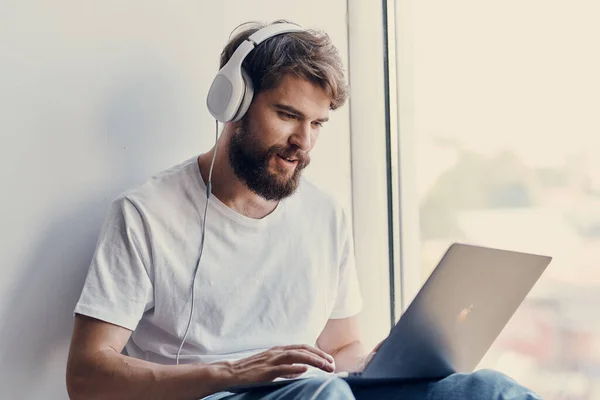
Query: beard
point(250, 162)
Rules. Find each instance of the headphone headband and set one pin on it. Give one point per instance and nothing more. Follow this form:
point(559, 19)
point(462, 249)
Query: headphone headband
point(271, 30)
point(231, 91)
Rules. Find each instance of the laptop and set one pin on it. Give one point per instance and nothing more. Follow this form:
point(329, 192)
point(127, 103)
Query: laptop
point(453, 320)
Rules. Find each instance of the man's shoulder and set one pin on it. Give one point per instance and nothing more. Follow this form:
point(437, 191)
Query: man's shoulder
point(167, 185)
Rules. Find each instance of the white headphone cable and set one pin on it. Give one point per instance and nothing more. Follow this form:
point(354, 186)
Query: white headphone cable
point(208, 192)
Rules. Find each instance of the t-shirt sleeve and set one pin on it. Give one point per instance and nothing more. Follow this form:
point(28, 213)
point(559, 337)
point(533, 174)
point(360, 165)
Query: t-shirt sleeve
point(349, 300)
point(118, 288)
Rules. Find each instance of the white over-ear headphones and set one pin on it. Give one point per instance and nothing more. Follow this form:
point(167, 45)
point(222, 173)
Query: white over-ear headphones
point(231, 91)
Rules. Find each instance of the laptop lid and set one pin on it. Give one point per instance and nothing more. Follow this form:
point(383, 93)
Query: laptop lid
point(458, 313)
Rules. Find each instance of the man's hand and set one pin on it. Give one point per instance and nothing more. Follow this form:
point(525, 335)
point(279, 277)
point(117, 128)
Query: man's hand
point(278, 362)
point(370, 356)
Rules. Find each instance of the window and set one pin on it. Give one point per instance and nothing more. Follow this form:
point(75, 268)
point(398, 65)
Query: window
point(496, 108)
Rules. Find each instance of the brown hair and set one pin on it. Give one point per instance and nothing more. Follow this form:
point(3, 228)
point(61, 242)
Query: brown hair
point(308, 54)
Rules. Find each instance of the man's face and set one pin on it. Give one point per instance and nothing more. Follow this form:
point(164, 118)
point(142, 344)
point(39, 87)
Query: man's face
point(271, 145)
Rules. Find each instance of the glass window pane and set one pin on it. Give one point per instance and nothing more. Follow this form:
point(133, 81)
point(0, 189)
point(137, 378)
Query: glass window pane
point(505, 102)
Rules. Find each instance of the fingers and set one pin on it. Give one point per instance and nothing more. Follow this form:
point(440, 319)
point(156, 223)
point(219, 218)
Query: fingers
point(281, 362)
point(291, 354)
point(302, 356)
point(312, 349)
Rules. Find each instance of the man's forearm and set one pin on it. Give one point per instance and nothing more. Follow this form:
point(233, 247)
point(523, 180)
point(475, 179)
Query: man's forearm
point(350, 358)
point(110, 375)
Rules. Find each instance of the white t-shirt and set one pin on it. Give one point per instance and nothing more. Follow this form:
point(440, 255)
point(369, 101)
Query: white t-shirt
point(261, 282)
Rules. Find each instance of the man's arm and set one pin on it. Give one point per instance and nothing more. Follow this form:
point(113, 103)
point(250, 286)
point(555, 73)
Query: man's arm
point(341, 339)
point(97, 370)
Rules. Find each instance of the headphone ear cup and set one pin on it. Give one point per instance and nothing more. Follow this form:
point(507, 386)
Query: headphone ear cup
point(248, 95)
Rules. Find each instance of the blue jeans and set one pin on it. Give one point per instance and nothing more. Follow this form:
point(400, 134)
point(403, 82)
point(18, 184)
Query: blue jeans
point(480, 385)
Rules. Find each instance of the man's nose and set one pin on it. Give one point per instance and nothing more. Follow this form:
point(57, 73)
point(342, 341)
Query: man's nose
point(302, 137)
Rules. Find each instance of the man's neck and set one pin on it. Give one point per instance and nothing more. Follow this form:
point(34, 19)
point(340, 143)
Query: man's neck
point(229, 189)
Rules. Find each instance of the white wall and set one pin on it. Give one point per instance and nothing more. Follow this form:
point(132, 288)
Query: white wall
point(94, 97)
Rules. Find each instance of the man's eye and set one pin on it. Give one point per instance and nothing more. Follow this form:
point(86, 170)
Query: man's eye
point(287, 115)
point(317, 123)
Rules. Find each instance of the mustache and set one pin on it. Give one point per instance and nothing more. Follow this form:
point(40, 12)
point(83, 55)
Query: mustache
point(291, 153)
